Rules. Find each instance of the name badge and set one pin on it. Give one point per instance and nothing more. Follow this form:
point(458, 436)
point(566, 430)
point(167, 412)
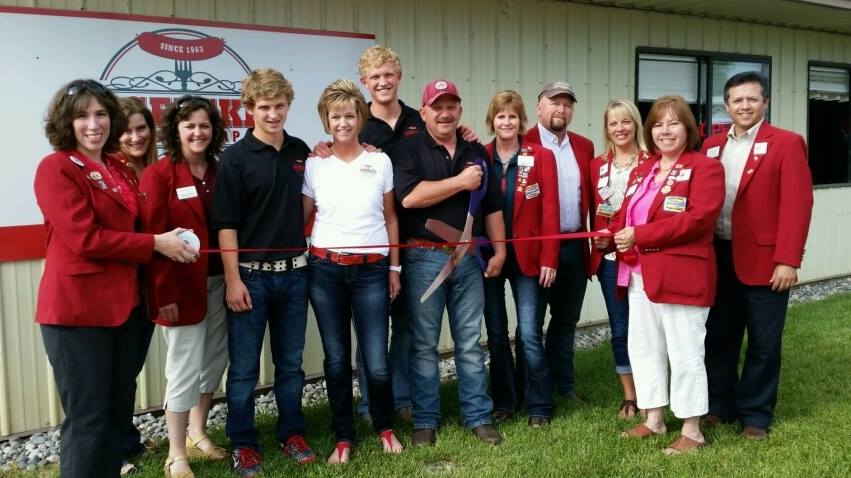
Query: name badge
point(713, 152)
point(533, 191)
point(77, 161)
point(760, 148)
point(605, 210)
point(604, 169)
point(675, 204)
point(602, 182)
point(631, 189)
point(525, 161)
point(186, 192)
point(605, 192)
point(684, 175)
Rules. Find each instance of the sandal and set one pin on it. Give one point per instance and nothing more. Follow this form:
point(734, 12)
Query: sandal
point(214, 453)
point(340, 452)
point(387, 437)
point(172, 460)
point(640, 431)
point(628, 410)
point(683, 444)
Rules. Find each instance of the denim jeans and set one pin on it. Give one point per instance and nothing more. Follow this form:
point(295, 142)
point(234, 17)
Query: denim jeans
point(751, 396)
point(360, 293)
point(400, 358)
point(462, 295)
point(279, 299)
point(565, 298)
point(618, 310)
point(504, 380)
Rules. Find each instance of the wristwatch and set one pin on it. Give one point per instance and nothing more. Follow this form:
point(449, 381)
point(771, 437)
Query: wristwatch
point(396, 269)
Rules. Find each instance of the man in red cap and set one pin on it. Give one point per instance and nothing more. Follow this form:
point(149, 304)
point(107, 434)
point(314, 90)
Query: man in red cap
point(434, 174)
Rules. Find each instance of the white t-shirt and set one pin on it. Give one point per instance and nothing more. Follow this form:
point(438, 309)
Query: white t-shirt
point(349, 201)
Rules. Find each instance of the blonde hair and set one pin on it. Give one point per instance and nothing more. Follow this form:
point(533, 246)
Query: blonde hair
point(503, 99)
point(342, 93)
point(375, 56)
point(629, 109)
point(265, 83)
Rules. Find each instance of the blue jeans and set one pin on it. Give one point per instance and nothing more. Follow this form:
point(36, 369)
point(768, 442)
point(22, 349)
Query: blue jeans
point(565, 298)
point(504, 380)
point(361, 293)
point(618, 310)
point(750, 396)
point(279, 299)
point(462, 295)
point(400, 358)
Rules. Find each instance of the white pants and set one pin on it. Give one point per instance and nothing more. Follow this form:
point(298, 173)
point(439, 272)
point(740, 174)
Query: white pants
point(197, 354)
point(659, 333)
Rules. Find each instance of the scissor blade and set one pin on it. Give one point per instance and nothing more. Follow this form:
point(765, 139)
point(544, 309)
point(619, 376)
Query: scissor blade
point(441, 277)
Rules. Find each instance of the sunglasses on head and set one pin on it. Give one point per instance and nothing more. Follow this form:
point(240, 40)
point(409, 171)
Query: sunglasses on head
point(192, 99)
point(88, 85)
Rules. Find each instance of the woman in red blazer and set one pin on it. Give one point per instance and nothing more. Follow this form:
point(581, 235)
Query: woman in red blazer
point(663, 233)
point(530, 188)
point(609, 174)
point(138, 151)
point(188, 299)
point(88, 300)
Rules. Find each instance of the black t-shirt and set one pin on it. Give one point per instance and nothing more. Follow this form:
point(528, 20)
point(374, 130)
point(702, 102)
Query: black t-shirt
point(379, 134)
point(258, 193)
point(422, 159)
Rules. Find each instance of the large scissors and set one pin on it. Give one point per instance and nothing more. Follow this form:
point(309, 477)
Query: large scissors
point(451, 234)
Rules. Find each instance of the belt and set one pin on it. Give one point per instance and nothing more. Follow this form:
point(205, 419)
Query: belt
point(281, 265)
point(346, 259)
point(434, 246)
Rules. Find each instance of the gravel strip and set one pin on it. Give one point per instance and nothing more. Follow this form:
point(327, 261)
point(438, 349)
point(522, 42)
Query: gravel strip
point(43, 448)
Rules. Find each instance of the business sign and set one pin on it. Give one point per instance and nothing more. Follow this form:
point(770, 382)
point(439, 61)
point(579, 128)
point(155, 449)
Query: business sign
point(152, 58)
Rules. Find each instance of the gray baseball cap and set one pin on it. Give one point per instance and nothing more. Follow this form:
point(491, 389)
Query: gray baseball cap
point(555, 88)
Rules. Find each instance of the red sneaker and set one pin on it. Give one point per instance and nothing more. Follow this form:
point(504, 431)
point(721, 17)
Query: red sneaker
point(246, 462)
point(296, 447)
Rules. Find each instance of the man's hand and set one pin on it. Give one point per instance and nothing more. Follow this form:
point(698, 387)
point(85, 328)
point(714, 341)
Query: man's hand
point(470, 178)
point(494, 266)
point(467, 134)
point(323, 149)
point(783, 278)
point(237, 297)
point(370, 148)
point(548, 276)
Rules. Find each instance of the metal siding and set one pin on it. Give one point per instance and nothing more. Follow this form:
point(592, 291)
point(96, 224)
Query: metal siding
point(484, 46)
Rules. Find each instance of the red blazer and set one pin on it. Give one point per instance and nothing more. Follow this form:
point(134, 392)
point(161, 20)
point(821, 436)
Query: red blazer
point(583, 149)
point(774, 204)
point(170, 282)
point(677, 254)
point(91, 267)
point(599, 221)
point(536, 215)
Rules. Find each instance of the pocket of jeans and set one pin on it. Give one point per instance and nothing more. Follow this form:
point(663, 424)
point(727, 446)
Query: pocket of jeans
point(247, 275)
point(313, 260)
point(380, 266)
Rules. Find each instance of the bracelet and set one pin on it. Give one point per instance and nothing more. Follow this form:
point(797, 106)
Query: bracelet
point(396, 269)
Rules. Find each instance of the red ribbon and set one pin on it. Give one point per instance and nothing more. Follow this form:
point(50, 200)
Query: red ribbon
point(561, 236)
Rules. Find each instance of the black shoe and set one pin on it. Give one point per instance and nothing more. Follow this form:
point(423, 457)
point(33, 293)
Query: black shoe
point(424, 437)
point(538, 422)
point(488, 434)
point(500, 416)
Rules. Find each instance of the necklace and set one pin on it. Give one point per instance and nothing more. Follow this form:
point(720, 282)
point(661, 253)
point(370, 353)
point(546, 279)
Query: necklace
point(628, 163)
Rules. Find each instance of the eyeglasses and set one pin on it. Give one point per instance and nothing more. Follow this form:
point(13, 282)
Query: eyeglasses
point(80, 85)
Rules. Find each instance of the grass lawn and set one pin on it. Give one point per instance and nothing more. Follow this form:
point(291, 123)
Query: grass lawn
point(810, 436)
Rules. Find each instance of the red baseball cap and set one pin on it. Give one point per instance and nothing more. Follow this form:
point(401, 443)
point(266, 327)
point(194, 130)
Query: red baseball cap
point(437, 88)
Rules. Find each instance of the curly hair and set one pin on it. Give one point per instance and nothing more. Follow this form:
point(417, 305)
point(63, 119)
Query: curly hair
point(181, 110)
point(132, 106)
point(375, 56)
point(71, 101)
point(265, 83)
point(342, 93)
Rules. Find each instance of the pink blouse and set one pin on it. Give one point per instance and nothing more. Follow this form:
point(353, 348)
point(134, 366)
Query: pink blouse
point(636, 215)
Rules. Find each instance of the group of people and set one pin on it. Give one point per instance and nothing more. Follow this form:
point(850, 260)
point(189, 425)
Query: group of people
point(409, 217)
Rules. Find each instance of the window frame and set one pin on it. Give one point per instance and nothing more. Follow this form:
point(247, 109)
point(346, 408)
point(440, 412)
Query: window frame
point(710, 58)
point(826, 64)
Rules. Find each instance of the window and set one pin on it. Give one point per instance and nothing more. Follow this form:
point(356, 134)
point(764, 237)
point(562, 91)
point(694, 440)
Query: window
point(698, 77)
point(828, 110)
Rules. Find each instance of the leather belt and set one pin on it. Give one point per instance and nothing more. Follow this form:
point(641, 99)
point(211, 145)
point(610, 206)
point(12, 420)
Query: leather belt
point(431, 245)
point(281, 265)
point(346, 259)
